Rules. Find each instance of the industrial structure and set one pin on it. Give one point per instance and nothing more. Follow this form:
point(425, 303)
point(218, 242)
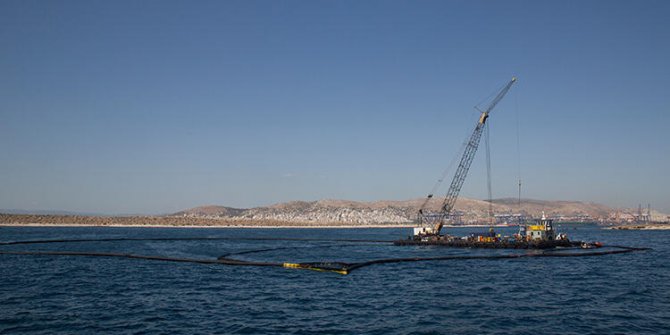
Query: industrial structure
point(431, 223)
point(540, 235)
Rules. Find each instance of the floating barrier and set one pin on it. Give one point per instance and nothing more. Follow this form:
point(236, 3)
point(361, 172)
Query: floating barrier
point(336, 267)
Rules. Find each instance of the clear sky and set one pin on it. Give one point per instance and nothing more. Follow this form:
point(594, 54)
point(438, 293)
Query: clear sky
point(157, 106)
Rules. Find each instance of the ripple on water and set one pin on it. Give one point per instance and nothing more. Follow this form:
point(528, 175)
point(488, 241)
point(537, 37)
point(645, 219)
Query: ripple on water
point(46, 295)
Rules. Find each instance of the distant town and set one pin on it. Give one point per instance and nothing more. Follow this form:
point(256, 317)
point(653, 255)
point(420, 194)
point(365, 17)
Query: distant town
point(345, 213)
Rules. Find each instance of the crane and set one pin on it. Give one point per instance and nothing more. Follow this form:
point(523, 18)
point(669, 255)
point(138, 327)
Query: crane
point(432, 222)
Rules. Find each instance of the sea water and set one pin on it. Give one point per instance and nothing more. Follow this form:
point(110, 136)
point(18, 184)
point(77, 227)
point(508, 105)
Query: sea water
point(626, 293)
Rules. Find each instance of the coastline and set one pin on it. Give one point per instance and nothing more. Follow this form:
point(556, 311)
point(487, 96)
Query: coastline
point(209, 226)
point(642, 227)
point(257, 226)
point(28, 220)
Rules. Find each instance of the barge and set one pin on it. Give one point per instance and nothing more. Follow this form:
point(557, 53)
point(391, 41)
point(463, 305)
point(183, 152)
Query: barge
point(502, 244)
point(539, 235)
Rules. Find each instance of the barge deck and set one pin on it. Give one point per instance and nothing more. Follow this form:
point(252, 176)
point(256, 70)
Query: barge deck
point(458, 243)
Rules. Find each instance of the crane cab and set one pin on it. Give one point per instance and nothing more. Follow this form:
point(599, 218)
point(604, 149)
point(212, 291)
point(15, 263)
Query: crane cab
point(423, 231)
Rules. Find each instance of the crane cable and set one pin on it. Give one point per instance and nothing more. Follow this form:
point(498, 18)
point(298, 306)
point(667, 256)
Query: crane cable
point(439, 182)
point(488, 173)
point(518, 152)
point(444, 175)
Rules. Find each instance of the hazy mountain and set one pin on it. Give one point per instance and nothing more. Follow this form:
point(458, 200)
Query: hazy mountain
point(211, 211)
point(346, 211)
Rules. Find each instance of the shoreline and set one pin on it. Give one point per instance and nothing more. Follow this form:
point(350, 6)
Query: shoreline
point(32, 220)
point(257, 226)
point(63, 225)
point(641, 227)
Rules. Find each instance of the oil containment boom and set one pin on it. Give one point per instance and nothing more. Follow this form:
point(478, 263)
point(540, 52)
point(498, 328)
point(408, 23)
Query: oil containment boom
point(432, 223)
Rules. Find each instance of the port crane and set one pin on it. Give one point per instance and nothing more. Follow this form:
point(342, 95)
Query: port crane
point(432, 222)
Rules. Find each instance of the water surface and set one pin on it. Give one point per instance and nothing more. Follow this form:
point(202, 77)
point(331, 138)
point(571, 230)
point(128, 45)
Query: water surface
point(627, 293)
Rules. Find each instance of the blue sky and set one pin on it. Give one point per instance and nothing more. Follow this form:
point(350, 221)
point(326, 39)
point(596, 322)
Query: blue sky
point(157, 106)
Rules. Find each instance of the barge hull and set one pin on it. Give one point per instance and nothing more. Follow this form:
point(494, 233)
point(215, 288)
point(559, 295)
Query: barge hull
point(490, 245)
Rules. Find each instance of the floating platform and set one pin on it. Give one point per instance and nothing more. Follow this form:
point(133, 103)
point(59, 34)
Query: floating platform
point(503, 244)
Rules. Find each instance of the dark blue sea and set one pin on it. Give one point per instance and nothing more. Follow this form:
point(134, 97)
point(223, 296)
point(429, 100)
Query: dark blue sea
point(612, 294)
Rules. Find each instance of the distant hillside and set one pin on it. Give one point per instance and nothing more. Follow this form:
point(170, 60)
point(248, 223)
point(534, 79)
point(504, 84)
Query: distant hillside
point(356, 212)
point(343, 213)
point(211, 211)
point(556, 208)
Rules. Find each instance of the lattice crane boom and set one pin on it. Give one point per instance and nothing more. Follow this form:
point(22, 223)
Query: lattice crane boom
point(438, 219)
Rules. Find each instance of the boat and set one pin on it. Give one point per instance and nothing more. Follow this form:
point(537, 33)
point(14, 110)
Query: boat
point(537, 235)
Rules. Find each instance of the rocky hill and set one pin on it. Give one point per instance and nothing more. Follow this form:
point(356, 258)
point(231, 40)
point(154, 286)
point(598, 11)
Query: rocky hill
point(211, 211)
point(354, 212)
point(344, 213)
